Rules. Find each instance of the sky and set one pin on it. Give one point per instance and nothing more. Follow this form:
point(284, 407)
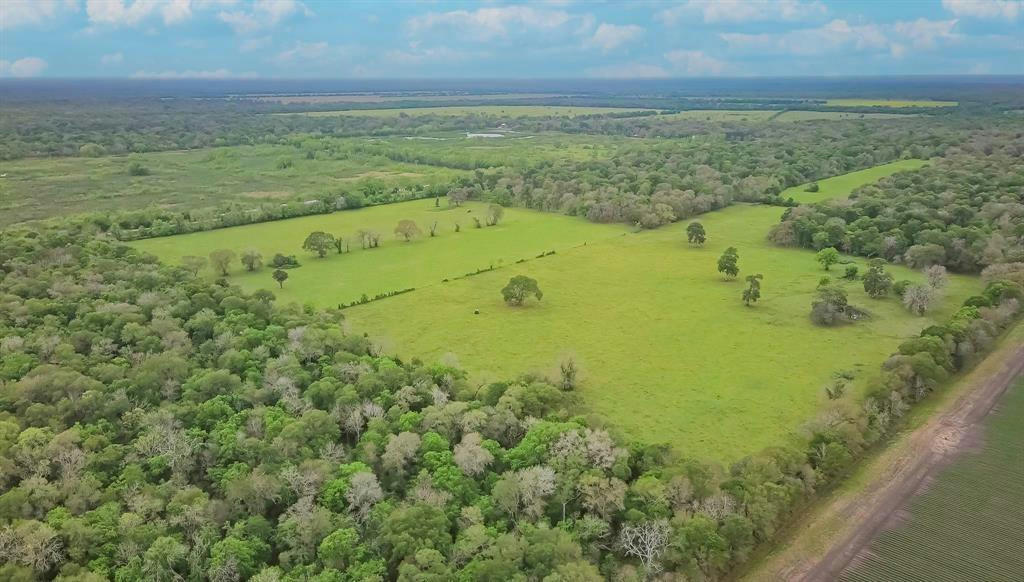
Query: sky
point(498, 39)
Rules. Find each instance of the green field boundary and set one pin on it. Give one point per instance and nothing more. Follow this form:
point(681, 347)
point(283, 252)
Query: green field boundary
point(816, 526)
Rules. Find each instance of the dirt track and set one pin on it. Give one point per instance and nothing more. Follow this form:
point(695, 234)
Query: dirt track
point(928, 448)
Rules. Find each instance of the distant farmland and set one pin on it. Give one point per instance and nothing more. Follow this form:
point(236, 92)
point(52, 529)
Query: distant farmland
point(501, 110)
point(967, 525)
point(889, 103)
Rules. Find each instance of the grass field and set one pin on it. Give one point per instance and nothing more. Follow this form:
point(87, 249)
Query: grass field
point(499, 110)
point(42, 187)
point(889, 103)
point(841, 186)
point(395, 264)
point(967, 524)
point(668, 350)
point(792, 116)
point(722, 114)
point(756, 115)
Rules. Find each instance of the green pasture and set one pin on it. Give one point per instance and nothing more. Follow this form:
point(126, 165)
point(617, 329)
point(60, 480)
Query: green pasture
point(792, 116)
point(43, 187)
point(967, 524)
point(722, 115)
point(889, 103)
point(762, 115)
point(668, 350)
point(396, 264)
point(497, 110)
point(840, 186)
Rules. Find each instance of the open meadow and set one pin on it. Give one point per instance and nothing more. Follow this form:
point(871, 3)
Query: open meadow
point(889, 103)
point(36, 188)
point(396, 264)
point(839, 187)
point(43, 187)
point(668, 350)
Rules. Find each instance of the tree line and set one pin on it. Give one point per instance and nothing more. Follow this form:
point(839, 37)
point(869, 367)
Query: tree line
point(964, 212)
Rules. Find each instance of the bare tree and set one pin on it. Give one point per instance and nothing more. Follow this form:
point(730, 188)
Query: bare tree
point(363, 492)
point(936, 277)
point(646, 541)
point(918, 298)
point(470, 456)
point(401, 449)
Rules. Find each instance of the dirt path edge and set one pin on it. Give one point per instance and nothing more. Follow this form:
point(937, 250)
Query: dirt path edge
point(927, 449)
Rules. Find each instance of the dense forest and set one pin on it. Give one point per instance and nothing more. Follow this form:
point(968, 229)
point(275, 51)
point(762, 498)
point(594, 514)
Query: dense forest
point(965, 212)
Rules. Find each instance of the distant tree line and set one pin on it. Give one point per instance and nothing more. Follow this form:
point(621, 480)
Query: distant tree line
point(965, 212)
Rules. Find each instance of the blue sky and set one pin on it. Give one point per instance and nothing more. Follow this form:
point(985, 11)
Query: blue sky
point(555, 38)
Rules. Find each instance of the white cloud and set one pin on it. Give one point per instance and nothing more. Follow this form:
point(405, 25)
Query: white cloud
point(26, 67)
point(488, 23)
point(15, 13)
point(985, 9)
point(695, 63)
point(255, 44)
point(303, 51)
point(926, 34)
point(264, 14)
point(628, 71)
point(715, 11)
point(112, 59)
point(839, 35)
point(610, 36)
point(418, 56)
point(131, 13)
point(190, 74)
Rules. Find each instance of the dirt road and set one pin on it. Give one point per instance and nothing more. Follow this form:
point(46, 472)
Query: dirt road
point(859, 517)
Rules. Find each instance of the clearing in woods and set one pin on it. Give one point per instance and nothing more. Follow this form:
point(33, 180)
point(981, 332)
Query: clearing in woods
point(711, 381)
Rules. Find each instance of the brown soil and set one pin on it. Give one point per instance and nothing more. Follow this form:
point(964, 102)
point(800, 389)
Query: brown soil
point(929, 448)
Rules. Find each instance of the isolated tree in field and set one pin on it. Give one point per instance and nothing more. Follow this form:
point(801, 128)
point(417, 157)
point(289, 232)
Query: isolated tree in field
point(318, 242)
point(830, 306)
point(341, 244)
point(519, 288)
point(827, 257)
point(753, 291)
point(407, 229)
point(569, 371)
point(252, 259)
point(728, 263)
point(877, 282)
point(457, 197)
point(221, 260)
point(695, 234)
point(433, 229)
point(280, 276)
point(368, 238)
point(918, 298)
point(494, 213)
point(936, 277)
point(193, 263)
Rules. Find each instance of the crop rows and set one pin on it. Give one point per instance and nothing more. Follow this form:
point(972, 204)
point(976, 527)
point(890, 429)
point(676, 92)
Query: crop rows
point(966, 526)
